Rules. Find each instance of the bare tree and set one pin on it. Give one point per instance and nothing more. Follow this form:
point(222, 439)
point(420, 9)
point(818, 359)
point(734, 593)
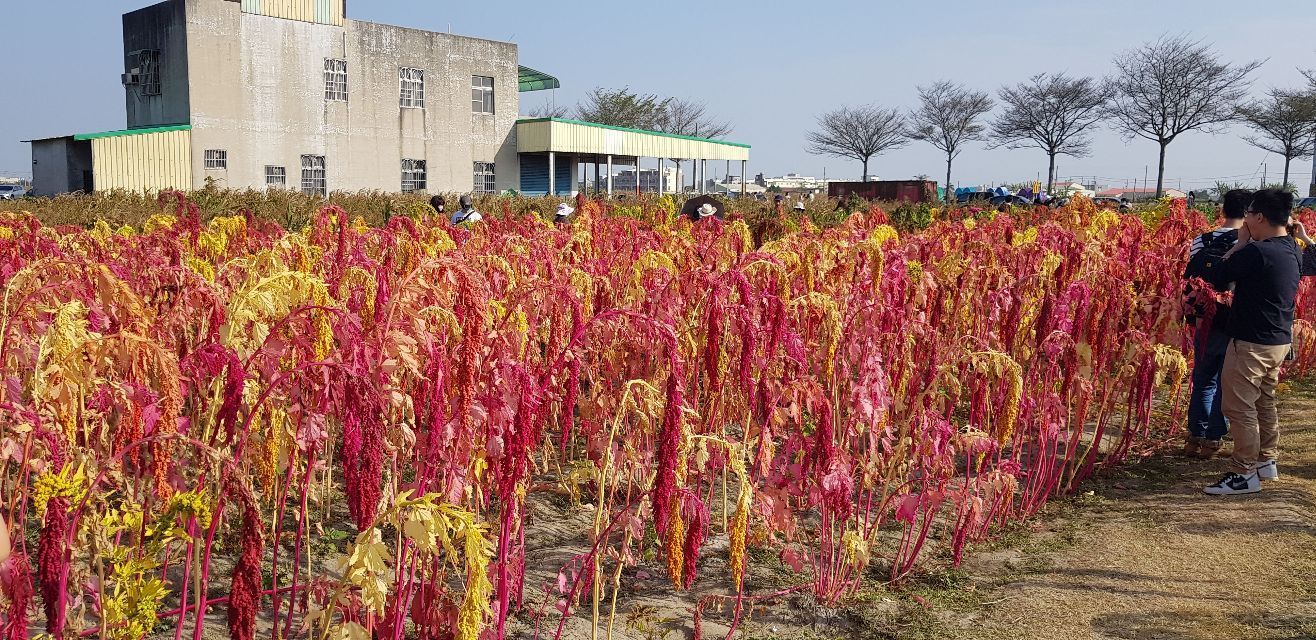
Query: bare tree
point(623, 108)
point(1284, 123)
point(690, 118)
point(550, 110)
point(1052, 112)
point(1172, 86)
point(858, 133)
point(949, 116)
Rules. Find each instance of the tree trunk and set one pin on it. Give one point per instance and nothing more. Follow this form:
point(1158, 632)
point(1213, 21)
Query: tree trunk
point(950, 195)
point(1051, 172)
point(865, 178)
point(1160, 172)
point(1287, 160)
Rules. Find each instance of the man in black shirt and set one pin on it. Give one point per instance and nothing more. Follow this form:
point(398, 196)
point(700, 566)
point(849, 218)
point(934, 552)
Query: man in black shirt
point(1264, 265)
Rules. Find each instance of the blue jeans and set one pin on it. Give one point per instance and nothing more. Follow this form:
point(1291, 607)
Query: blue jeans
point(1206, 418)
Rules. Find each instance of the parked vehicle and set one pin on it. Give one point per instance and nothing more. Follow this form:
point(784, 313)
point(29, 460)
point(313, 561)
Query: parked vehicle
point(1018, 201)
point(1307, 203)
point(12, 191)
point(1107, 202)
point(973, 196)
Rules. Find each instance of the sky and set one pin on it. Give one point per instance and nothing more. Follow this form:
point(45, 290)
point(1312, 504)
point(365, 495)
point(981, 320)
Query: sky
point(770, 68)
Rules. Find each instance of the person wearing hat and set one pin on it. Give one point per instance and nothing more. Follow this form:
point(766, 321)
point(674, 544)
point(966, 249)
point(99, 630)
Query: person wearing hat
point(799, 206)
point(563, 213)
point(439, 203)
point(467, 212)
point(707, 211)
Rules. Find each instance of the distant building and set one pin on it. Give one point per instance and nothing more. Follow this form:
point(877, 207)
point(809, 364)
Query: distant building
point(1139, 194)
point(671, 183)
point(793, 183)
point(731, 186)
point(291, 94)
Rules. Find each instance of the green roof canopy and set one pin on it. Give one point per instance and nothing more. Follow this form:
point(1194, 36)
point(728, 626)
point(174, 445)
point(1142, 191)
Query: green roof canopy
point(132, 132)
point(532, 80)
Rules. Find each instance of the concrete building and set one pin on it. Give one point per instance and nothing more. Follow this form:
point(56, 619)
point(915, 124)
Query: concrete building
point(293, 94)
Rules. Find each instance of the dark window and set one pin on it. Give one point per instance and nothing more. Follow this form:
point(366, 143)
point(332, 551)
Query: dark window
point(216, 159)
point(484, 178)
point(413, 88)
point(413, 175)
point(276, 176)
point(314, 181)
point(335, 80)
point(482, 94)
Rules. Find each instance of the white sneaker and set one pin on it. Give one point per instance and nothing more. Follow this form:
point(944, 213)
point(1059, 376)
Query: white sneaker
point(1234, 485)
point(1267, 470)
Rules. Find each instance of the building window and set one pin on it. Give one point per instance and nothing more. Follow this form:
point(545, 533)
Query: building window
point(484, 178)
point(276, 177)
point(144, 72)
point(313, 176)
point(413, 88)
point(413, 175)
point(216, 159)
point(482, 94)
point(335, 80)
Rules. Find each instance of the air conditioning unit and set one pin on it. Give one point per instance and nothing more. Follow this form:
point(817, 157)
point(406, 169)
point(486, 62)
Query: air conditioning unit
point(133, 78)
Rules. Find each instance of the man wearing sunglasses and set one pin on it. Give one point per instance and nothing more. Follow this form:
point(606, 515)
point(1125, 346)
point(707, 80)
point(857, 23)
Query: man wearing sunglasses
point(1265, 266)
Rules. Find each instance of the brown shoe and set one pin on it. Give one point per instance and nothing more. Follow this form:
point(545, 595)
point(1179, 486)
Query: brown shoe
point(1192, 447)
point(1207, 449)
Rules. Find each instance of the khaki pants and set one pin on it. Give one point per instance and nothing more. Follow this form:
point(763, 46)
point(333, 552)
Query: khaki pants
point(1249, 378)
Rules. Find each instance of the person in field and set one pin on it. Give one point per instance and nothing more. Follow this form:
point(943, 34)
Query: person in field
point(1206, 418)
point(5, 547)
point(563, 214)
point(439, 203)
point(466, 213)
point(1264, 265)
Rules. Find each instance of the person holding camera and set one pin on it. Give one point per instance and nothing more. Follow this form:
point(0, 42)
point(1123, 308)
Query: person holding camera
point(1264, 265)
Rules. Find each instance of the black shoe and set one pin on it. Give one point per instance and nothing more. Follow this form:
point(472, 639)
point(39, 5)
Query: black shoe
point(1233, 485)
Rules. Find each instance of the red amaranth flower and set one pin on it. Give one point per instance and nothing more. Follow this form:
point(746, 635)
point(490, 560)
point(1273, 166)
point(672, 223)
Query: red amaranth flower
point(669, 447)
point(16, 585)
point(53, 565)
point(696, 518)
point(244, 599)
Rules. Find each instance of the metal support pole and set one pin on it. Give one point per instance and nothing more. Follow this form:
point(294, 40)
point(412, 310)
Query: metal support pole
point(637, 176)
point(743, 169)
point(703, 176)
point(552, 174)
point(662, 164)
point(597, 174)
point(609, 175)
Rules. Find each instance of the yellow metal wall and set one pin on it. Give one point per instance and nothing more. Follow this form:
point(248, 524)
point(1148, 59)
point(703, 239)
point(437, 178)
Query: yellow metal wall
point(143, 162)
point(321, 11)
point(567, 137)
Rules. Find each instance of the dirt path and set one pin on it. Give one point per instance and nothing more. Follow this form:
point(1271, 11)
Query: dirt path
point(1147, 555)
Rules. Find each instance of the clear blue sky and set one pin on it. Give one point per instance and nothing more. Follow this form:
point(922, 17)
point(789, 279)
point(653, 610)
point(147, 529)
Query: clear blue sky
point(768, 67)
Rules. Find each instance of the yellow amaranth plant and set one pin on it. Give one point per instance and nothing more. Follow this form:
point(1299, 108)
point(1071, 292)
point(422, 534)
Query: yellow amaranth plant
point(201, 267)
point(1171, 366)
point(999, 367)
point(158, 222)
point(826, 307)
point(738, 530)
point(260, 304)
point(358, 277)
point(70, 483)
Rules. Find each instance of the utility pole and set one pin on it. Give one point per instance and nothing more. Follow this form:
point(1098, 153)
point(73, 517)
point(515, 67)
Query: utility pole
point(1145, 174)
point(1311, 191)
point(1263, 175)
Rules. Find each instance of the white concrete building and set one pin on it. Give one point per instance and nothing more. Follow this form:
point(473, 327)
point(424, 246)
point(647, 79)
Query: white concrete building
point(292, 94)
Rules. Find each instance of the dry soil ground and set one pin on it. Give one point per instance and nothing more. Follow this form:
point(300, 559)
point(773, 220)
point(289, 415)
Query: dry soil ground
point(1139, 553)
